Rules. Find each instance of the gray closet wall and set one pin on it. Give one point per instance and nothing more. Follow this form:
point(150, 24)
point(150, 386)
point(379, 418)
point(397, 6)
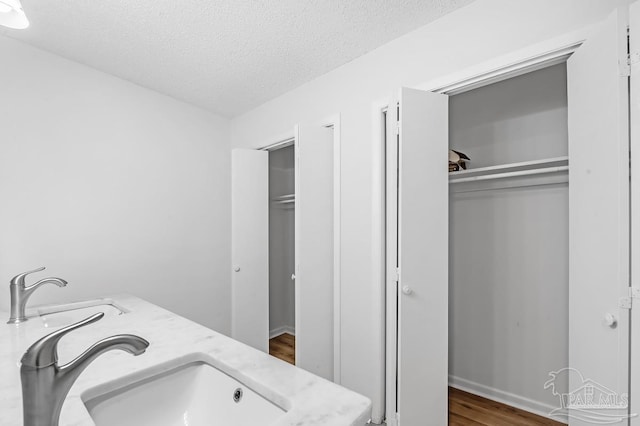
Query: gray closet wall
point(281, 242)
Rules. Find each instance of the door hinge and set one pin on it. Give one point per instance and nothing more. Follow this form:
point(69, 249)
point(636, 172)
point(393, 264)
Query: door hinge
point(391, 420)
point(627, 302)
point(630, 64)
point(398, 128)
point(397, 275)
point(633, 61)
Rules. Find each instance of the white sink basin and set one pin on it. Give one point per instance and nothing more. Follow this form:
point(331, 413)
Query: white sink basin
point(61, 315)
point(193, 394)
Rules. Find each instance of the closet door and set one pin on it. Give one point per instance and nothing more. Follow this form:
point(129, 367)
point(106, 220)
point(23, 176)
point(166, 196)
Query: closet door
point(599, 218)
point(314, 249)
point(422, 257)
point(250, 247)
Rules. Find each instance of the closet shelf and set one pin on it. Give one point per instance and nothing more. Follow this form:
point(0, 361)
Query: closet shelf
point(502, 171)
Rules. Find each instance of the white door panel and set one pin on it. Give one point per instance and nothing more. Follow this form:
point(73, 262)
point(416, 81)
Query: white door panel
point(598, 213)
point(250, 247)
point(423, 239)
point(314, 250)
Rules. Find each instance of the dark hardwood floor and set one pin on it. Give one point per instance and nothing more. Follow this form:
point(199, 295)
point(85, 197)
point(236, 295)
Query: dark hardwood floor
point(465, 409)
point(283, 347)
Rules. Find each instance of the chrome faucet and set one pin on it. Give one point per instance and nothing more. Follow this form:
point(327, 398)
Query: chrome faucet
point(20, 293)
point(45, 384)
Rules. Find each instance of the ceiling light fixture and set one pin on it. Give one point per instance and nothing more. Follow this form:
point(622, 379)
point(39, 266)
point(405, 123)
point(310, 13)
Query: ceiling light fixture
point(12, 15)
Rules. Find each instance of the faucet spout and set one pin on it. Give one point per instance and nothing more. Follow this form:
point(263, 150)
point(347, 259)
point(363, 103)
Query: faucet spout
point(135, 345)
point(51, 280)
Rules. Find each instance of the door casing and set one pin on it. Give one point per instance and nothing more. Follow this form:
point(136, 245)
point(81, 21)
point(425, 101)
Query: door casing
point(289, 139)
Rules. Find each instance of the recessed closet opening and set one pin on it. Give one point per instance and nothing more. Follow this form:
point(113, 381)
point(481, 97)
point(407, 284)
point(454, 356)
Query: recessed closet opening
point(285, 247)
point(504, 279)
point(282, 253)
point(509, 240)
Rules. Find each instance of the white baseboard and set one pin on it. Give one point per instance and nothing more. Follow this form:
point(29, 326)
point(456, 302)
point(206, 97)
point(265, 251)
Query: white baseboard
point(282, 330)
point(497, 395)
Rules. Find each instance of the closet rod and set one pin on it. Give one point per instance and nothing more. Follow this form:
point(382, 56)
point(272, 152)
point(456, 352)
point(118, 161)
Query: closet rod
point(285, 197)
point(498, 188)
point(280, 144)
point(494, 176)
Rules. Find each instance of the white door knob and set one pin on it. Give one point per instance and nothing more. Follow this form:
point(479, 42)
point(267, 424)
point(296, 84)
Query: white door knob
point(407, 290)
point(236, 268)
point(293, 277)
point(611, 320)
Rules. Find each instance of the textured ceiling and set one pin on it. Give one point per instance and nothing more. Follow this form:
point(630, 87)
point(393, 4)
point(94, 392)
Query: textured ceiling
point(227, 56)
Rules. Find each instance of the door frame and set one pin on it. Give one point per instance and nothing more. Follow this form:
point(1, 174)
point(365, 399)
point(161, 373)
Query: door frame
point(634, 139)
point(333, 122)
point(291, 138)
point(529, 59)
point(385, 313)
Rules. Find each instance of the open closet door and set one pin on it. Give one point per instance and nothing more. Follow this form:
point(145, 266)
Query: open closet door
point(250, 247)
point(597, 92)
point(314, 249)
point(422, 257)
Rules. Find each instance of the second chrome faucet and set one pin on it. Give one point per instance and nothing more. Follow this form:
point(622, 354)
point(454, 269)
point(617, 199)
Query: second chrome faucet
point(20, 293)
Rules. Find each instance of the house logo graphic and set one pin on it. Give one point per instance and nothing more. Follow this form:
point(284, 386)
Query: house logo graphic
point(589, 401)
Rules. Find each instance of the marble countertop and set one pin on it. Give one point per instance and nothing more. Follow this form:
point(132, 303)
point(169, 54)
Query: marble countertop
point(310, 400)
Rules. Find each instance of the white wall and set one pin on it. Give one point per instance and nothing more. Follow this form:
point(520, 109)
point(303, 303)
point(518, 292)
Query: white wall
point(469, 36)
point(113, 187)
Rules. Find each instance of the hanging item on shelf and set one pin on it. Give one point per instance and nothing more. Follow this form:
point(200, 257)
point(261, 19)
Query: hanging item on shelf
point(457, 160)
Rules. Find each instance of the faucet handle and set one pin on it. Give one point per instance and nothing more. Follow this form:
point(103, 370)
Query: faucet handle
point(19, 279)
point(44, 352)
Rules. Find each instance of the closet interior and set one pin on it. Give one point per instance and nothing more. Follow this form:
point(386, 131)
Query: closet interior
point(282, 248)
point(508, 239)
